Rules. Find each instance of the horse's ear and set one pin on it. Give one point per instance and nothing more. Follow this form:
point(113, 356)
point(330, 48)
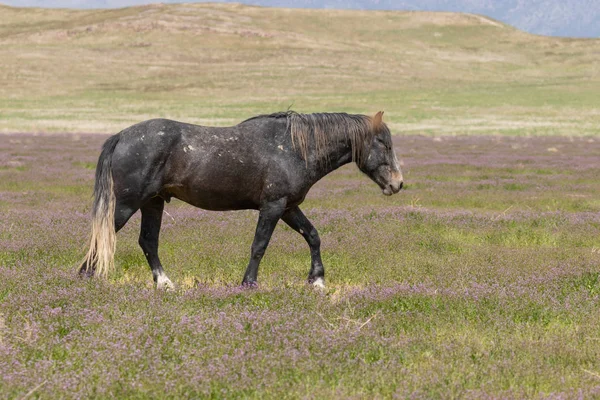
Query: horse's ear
point(378, 120)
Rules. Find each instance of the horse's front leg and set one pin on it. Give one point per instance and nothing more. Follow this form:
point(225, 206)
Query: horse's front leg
point(267, 220)
point(298, 222)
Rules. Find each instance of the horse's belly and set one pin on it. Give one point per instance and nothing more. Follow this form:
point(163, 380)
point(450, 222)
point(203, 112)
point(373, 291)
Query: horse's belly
point(213, 178)
point(216, 197)
point(220, 202)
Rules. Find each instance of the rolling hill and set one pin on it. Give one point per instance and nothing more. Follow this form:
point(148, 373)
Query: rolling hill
point(569, 18)
point(440, 73)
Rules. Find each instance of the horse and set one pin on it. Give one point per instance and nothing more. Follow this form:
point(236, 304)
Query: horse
point(266, 163)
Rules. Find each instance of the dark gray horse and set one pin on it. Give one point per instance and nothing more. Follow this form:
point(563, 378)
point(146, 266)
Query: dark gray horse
point(266, 163)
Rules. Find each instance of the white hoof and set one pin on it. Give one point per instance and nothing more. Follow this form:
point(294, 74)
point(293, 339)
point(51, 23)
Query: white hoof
point(319, 283)
point(164, 283)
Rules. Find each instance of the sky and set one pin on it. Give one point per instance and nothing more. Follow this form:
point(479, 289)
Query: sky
point(89, 3)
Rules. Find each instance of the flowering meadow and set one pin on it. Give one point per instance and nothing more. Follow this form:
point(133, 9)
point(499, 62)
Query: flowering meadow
point(480, 280)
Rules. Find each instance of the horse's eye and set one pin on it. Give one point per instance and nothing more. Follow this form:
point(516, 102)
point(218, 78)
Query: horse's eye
point(386, 145)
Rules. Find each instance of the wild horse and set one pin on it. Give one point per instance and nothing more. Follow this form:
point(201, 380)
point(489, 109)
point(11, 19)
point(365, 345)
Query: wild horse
point(266, 163)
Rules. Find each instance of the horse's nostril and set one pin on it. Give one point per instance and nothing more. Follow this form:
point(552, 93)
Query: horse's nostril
point(401, 184)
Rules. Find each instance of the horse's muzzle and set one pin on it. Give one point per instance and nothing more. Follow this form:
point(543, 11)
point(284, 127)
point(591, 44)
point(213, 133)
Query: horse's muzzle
point(393, 188)
point(395, 184)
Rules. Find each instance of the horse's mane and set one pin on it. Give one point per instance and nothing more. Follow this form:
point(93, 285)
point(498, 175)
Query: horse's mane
point(319, 131)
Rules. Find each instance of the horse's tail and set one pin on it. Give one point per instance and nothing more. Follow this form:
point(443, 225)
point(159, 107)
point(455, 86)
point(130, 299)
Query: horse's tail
point(99, 259)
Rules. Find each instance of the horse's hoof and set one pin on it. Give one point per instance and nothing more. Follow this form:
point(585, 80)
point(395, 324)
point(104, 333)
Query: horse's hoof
point(85, 273)
point(164, 283)
point(250, 285)
point(318, 283)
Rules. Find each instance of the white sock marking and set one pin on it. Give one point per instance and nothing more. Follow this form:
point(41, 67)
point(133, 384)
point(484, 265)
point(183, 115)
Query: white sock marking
point(319, 283)
point(163, 282)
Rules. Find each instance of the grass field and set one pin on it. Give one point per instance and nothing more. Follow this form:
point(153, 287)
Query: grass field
point(434, 73)
point(480, 280)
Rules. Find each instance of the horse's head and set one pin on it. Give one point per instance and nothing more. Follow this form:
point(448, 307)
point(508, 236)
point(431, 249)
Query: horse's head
point(381, 164)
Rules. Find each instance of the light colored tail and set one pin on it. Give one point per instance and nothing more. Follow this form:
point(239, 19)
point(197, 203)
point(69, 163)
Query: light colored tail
point(103, 239)
point(101, 254)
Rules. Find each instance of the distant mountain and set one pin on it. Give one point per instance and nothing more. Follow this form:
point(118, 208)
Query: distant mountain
point(575, 18)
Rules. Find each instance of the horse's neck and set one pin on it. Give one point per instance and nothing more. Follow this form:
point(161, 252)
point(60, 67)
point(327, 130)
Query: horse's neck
point(338, 155)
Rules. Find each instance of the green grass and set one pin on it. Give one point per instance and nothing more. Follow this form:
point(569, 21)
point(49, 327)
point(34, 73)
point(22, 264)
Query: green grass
point(433, 73)
point(479, 279)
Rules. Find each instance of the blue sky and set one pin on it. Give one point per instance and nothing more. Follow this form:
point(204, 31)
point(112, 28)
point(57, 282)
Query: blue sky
point(81, 3)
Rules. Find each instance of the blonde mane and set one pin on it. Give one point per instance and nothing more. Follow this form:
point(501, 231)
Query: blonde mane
point(319, 131)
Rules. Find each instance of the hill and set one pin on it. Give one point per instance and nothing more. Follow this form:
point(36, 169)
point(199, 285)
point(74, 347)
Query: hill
point(100, 70)
point(569, 18)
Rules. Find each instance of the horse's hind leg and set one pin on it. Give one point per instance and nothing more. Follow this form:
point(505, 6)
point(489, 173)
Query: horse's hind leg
point(298, 222)
point(151, 220)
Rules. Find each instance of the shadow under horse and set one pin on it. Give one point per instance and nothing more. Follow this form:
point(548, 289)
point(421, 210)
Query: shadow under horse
point(266, 163)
